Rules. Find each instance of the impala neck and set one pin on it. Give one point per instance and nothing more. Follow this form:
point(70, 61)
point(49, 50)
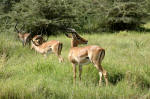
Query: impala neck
point(74, 43)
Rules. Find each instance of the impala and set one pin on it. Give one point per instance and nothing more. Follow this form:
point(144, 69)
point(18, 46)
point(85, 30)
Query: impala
point(45, 47)
point(83, 55)
point(22, 36)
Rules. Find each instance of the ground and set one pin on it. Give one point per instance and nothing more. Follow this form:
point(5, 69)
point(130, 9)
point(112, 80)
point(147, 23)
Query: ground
point(25, 74)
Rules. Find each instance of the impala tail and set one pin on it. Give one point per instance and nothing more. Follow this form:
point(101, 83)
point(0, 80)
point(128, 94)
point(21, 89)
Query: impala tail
point(60, 48)
point(102, 55)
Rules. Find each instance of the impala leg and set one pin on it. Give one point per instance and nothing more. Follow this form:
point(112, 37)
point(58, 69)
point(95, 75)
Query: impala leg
point(58, 55)
point(74, 73)
point(100, 78)
point(102, 72)
point(31, 47)
point(105, 76)
point(60, 59)
point(45, 55)
point(80, 71)
point(99, 68)
point(59, 52)
point(23, 43)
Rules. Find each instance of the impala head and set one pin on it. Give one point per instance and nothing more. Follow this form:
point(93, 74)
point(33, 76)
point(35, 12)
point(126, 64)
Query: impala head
point(24, 37)
point(37, 40)
point(19, 31)
point(76, 39)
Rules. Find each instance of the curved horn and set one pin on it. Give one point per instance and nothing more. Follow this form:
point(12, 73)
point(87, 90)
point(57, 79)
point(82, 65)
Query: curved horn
point(71, 30)
point(16, 27)
point(22, 27)
point(38, 37)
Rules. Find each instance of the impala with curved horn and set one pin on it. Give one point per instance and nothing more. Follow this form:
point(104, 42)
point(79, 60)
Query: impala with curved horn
point(22, 36)
point(82, 55)
point(44, 47)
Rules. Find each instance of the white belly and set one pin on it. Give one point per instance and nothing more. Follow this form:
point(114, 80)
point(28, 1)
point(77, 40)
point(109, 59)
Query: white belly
point(83, 60)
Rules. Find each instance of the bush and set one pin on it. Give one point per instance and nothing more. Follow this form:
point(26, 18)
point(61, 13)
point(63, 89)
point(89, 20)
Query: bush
point(126, 15)
point(51, 16)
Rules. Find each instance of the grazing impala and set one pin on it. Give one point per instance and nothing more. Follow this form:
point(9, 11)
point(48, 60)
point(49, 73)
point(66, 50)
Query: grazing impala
point(83, 55)
point(22, 36)
point(45, 47)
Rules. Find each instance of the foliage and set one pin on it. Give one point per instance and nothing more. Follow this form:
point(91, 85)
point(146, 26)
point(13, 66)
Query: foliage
point(126, 14)
point(52, 16)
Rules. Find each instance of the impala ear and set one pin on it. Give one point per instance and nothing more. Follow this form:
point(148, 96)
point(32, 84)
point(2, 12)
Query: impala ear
point(68, 35)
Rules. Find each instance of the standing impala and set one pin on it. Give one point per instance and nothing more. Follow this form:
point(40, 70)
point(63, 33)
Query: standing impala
point(83, 55)
point(22, 36)
point(45, 47)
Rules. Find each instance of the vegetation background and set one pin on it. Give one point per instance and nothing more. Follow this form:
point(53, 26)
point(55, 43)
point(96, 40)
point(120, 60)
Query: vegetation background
point(119, 26)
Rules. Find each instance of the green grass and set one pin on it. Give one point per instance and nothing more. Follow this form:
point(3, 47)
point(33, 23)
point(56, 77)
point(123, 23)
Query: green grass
point(25, 74)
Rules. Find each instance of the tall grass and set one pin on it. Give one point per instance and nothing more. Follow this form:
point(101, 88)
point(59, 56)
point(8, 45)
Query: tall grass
point(25, 74)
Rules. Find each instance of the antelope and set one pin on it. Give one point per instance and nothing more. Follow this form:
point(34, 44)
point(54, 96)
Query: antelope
point(22, 36)
point(45, 47)
point(84, 55)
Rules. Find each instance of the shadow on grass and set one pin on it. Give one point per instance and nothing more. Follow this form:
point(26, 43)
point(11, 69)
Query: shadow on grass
point(114, 78)
point(143, 82)
point(142, 29)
